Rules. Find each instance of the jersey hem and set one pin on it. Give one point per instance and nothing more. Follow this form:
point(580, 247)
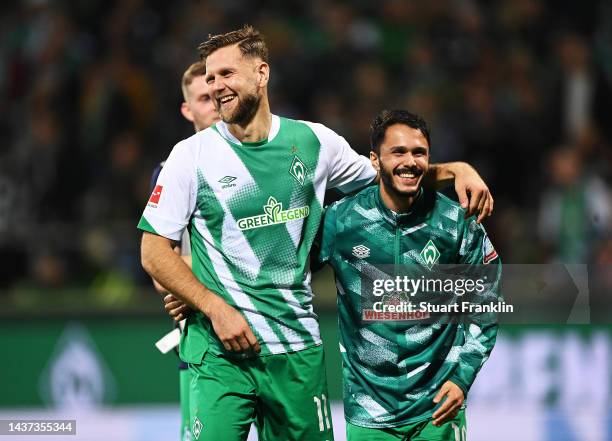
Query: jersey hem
point(415, 420)
point(238, 357)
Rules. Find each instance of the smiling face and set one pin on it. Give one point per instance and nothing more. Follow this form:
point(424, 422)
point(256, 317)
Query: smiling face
point(402, 161)
point(236, 83)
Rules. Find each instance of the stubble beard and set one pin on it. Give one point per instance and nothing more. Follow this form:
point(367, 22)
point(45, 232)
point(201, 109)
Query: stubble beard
point(386, 177)
point(245, 110)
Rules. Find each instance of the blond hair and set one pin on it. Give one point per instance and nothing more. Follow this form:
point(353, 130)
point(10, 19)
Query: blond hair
point(195, 70)
point(248, 39)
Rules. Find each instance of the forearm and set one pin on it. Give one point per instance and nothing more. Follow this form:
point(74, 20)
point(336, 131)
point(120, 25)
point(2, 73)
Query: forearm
point(158, 286)
point(474, 353)
point(171, 272)
point(443, 174)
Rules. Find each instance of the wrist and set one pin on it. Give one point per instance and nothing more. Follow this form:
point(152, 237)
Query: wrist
point(460, 384)
point(209, 303)
point(453, 169)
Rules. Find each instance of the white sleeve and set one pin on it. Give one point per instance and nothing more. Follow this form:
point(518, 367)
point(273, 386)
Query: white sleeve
point(346, 169)
point(172, 202)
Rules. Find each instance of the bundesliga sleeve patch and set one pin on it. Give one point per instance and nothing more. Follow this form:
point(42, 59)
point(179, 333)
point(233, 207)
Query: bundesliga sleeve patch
point(488, 252)
point(154, 199)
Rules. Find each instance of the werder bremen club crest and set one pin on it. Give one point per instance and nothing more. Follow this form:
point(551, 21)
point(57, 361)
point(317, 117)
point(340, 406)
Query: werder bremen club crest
point(430, 255)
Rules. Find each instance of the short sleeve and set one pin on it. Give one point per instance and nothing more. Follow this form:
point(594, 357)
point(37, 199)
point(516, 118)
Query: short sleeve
point(346, 169)
point(172, 200)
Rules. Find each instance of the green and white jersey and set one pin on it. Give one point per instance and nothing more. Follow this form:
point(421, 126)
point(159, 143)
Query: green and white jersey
point(253, 210)
point(393, 366)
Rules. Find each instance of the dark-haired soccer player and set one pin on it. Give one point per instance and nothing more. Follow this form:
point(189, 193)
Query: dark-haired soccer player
point(250, 191)
point(404, 379)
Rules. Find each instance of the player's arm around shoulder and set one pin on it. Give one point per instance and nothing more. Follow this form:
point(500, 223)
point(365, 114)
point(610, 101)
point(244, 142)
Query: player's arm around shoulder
point(473, 193)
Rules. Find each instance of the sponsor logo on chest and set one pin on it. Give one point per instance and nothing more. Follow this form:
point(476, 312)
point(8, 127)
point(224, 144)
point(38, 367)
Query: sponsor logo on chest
point(273, 214)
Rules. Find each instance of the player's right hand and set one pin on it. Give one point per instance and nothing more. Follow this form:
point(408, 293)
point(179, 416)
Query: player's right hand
point(453, 400)
point(175, 308)
point(230, 326)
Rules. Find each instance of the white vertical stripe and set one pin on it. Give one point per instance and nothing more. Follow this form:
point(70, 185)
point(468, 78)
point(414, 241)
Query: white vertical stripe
point(241, 299)
point(309, 323)
point(235, 245)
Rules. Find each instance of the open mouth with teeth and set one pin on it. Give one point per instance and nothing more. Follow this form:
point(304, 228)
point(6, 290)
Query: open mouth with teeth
point(408, 177)
point(225, 99)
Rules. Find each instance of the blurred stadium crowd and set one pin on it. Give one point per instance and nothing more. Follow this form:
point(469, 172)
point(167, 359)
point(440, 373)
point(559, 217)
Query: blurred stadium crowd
point(521, 89)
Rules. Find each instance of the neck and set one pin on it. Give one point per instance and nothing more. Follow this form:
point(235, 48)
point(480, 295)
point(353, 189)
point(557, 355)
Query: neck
point(397, 202)
point(258, 128)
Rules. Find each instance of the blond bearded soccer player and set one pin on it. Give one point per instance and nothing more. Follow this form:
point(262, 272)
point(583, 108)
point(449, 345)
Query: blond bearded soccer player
point(198, 109)
point(250, 190)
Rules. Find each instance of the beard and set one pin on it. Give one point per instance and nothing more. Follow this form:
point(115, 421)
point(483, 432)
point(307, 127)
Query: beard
point(386, 176)
point(244, 112)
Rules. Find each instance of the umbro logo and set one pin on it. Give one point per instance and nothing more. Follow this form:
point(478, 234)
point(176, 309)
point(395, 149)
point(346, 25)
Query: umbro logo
point(361, 251)
point(227, 181)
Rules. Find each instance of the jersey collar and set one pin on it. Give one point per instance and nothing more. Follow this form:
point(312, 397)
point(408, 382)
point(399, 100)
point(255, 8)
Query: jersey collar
point(225, 133)
point(400, 219)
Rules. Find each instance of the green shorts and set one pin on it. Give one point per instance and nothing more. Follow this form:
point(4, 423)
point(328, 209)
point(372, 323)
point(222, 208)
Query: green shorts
point(184, 385)
point(285, 396)
point(452, 430)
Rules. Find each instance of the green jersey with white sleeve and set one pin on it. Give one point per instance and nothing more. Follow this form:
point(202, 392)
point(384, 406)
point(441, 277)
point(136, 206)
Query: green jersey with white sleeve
point(252, 211)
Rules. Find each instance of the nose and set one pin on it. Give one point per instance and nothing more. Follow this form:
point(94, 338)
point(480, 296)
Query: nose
point(217, 85)
point(409, 160)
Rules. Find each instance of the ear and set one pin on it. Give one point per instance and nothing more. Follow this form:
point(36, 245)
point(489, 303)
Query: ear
point(186, 112)
point(374, 160)
point(263, 74)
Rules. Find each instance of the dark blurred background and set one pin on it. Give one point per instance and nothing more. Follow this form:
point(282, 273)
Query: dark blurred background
point(90, 97)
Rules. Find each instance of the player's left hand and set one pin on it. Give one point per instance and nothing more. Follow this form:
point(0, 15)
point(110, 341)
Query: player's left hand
point(451, 406)
point(175, 308)
point(473, 193)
